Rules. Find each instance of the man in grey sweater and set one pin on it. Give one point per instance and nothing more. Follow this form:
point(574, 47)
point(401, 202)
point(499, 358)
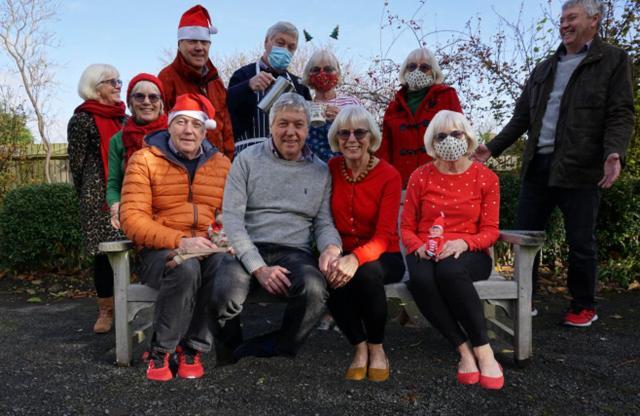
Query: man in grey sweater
point(276, 203)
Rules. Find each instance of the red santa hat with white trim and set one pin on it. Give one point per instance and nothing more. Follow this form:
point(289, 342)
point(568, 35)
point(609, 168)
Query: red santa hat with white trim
point(439, 222)
point(195, 106)
point(195, 24)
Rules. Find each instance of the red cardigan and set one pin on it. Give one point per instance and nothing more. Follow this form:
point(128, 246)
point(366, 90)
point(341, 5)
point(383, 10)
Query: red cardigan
point(470, 202)
point(366, 212)
point(403, 132)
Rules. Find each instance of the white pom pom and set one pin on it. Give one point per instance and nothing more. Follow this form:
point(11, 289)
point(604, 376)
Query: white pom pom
point(210, 124)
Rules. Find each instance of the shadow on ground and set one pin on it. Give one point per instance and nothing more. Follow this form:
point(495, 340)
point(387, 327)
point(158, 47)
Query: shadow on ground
point(53, 364)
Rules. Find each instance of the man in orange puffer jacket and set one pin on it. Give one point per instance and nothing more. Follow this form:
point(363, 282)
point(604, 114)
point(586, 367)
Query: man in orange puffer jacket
point(171, 191)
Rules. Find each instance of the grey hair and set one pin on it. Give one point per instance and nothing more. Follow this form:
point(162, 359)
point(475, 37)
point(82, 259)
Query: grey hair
point(319, 55)
point(416, 55)
point(592, 7)
point(449, 119)
point(140, 85)
point(282, 27)
point(352, 115)
point(92, 76)
point(289, 101)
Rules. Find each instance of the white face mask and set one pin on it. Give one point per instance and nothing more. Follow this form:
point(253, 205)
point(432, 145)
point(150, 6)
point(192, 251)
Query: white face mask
point(451, 149)
point(417, 80)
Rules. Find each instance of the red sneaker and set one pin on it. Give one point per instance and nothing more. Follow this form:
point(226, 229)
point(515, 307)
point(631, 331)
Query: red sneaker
point(189, 364)
point(581, 319)
point(158, 369)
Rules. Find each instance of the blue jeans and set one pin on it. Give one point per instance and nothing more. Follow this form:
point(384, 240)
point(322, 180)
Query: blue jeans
point(579, 209)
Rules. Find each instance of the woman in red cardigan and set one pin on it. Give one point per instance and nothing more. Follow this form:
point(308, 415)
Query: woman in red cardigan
point(365, 201)
point(465, 195)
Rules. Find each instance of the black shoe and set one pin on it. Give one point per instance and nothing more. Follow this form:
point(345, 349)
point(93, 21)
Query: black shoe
point(263, 347)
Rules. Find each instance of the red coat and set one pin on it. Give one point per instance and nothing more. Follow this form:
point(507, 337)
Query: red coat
point(180, 78)
point(403, 132)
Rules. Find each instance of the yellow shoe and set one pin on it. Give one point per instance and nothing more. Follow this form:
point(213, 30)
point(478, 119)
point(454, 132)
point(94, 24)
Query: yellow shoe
point(356, 373)
point(379, 374)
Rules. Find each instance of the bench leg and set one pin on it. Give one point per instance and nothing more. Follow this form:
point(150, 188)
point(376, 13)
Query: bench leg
point(524, 256)
point(121, 275)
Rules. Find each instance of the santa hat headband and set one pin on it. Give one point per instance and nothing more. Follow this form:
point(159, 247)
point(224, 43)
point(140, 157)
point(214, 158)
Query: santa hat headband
point(195, 24)
point(195, 106)
point(439, 222)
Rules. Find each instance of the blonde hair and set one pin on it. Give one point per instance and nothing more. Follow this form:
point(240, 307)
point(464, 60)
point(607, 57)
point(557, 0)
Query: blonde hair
point(417, 55)
point(354, 115)
point(92, 76)
point(449, 119)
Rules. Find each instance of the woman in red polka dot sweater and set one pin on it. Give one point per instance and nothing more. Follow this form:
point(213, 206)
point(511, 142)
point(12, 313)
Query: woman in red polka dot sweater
point(468, 195)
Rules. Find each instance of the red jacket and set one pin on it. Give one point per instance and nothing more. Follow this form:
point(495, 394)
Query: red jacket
point(403, 132)
point(180, 78)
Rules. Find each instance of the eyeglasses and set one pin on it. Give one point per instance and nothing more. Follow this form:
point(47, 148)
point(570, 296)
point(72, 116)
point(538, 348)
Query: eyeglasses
point(317, 69)
point(140, 97)
point(359, 134)
point(455, 133)
point(422, 67)
point(115, 83)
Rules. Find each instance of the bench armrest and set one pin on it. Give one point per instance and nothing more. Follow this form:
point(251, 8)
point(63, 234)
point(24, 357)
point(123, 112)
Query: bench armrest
point(115, 246)
point(522, 237)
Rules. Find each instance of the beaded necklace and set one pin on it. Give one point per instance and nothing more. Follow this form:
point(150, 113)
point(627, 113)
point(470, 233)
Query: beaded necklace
point(362, 174)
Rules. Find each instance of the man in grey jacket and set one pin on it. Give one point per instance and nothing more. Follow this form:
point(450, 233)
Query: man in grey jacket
point(276, 203)
point(577, 108)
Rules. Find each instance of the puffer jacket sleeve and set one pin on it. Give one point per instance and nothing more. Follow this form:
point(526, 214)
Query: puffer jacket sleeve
point(136, 211)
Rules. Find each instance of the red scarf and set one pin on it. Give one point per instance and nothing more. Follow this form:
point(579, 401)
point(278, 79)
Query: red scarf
point(108, 119)
point(133, 134)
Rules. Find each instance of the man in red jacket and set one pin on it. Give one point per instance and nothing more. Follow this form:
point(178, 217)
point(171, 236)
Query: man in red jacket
point(193, 72)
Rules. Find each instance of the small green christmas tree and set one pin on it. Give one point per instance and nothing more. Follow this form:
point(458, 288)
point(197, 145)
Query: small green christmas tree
point(335, 32)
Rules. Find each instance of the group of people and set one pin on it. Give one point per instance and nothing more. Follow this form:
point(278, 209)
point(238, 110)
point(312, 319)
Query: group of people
point(195, 158)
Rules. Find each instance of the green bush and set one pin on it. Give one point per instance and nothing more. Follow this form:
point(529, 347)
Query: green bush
point(40, 229)
point(617, 231)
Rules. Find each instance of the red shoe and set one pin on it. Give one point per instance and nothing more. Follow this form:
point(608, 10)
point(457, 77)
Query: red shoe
point(492, 383)
point(158, 369)
point(468, 378)
point(189, 364)
point(580, 319)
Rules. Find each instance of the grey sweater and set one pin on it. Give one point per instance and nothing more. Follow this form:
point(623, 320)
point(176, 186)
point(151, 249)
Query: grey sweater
point(272, 200)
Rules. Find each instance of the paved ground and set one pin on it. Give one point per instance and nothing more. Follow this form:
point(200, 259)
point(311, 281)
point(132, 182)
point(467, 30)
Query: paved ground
point(53, 364)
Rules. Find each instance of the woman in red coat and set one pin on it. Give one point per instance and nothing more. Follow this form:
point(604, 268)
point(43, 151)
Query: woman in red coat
point(365, 200)
point(421, 96)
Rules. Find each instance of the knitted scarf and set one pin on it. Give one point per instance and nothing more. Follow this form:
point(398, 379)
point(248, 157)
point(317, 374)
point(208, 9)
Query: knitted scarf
point(108, 119)
point(134, 133)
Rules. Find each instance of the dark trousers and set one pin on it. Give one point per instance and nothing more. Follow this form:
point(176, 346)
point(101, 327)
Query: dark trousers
point(102, 276)
point(360, 307)
point(445, 294)
point(183, 309)
point(305, 298)
point(579, 209)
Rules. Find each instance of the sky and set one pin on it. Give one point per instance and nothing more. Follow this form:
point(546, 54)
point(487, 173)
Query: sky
point(135, 35)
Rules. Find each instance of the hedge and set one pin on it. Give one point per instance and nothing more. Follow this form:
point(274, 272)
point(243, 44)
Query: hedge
point(40, 229)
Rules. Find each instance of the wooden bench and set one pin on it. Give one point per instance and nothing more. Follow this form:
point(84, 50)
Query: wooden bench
point(513, 296)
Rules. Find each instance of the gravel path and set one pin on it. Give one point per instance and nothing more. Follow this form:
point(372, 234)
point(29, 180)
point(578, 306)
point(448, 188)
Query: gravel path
point(53, 365)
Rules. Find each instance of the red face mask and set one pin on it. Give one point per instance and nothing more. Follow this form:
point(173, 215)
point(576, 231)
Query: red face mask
point(323, 81)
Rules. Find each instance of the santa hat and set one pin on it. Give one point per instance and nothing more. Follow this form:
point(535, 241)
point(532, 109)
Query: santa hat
point(195, 24)
point(439, 222)
point(145, 77)
point(195, 106)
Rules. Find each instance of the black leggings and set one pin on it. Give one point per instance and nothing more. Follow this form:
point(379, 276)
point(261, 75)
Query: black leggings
point(445, 294)
point(360, 307)
point(102, 276)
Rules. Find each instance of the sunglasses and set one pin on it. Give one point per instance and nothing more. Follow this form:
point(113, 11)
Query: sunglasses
point(455, 133)
point(422, 67)
point(140, 97)
point(359, 134)
point(115, 83)
point(317, 69)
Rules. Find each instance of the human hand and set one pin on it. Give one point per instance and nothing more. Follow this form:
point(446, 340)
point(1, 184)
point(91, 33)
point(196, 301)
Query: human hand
point(612, 170)
point(195, 244)
point(115, 215)
point(327, 257)
point(482, 154)
point(273, 279)
point(331, 111)
point(342, 270)
point(261, 81)
point(453, 247)
point(421, 252)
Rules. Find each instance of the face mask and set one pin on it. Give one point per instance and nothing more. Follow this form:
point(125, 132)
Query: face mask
point(323, 81)
point(451, 149)
point(279, 58)
point(417, 80)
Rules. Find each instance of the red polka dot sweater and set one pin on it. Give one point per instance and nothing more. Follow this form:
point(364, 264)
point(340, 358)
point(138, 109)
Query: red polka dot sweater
point(470, 202)
point(366, 212)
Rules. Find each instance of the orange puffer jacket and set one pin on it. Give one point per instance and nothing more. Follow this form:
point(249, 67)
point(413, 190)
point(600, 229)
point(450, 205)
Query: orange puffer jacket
point(159, 206)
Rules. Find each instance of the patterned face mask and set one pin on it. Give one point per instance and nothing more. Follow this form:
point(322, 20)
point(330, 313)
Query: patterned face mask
point(417, 80)
point(451, 149)
point(323, 81)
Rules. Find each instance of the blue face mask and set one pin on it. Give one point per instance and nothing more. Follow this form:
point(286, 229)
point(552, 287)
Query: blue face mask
point(279, 58)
